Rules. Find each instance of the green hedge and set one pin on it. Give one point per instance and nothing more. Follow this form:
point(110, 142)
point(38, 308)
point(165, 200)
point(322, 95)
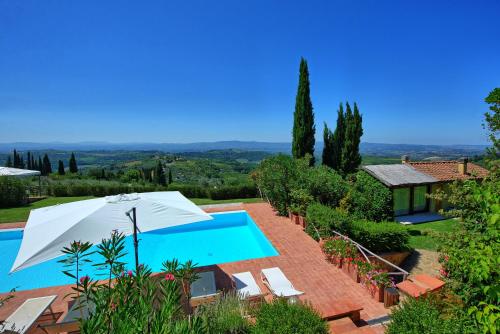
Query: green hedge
point(280, 317)
point(190, 190)
point(377, 237)
point(229, 192)
point(326, 219)
point(380, 237)
point(75, 187)
point(69, 188)
point(12, 192)
point(216, 193)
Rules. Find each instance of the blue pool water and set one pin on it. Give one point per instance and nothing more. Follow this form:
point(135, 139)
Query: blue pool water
point(229, 237)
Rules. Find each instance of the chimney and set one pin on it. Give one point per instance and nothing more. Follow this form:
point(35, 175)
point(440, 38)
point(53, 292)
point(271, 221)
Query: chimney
point(405, 159)
point(462, 165)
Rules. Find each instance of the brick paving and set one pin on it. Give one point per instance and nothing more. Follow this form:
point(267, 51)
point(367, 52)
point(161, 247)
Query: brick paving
point(327, 288)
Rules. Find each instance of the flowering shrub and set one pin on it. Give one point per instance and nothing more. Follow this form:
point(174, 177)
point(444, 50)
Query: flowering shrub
point(339, 249)
point(379, 278)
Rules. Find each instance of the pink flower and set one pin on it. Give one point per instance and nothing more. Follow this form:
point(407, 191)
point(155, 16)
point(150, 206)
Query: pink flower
point(130, 273)
point(169, 277)
point(84, 279)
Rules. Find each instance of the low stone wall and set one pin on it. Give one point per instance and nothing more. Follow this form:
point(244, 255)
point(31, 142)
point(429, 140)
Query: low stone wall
point(396, 258)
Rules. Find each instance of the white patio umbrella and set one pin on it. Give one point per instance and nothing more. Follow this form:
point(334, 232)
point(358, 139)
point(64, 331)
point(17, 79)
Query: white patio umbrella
point(50, 229)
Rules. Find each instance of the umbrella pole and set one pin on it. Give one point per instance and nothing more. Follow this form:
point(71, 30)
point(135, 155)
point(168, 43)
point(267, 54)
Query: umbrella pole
point(136, 242)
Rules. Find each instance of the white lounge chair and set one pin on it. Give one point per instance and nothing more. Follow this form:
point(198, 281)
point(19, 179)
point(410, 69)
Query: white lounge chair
point(246, 286)
point(26, 315)
point(203, 290)
point(277, 282)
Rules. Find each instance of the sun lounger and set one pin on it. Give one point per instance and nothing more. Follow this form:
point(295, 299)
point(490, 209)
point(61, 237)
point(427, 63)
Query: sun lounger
point(71, 321)
point(277, 282)
point(203, 290)
point(246, 286)
point(26, 315)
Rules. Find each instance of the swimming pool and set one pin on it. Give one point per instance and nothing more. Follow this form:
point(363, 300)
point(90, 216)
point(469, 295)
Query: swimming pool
point(229, 237)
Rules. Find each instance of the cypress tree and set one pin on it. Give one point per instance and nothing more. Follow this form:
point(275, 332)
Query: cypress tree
point(338, 139)
point(29, 161)
point(33, 165)
point(160, 174)
point(21, 162)
point(9, 162)
point(327, 156)
point(46, 167)
point(16, 159)
point(60, 168)
point(170, 178)
point(73, 167)
point(303, 117)
point(40, 165)
point(351, 158)
point(358, 130)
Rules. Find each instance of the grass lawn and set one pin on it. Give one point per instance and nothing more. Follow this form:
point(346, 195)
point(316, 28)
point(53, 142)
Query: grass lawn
point(21, 214)
point(419, 237)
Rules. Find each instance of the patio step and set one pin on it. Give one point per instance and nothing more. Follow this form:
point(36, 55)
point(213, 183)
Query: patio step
point(346, 326)
point(420, 285)
point(342, 325)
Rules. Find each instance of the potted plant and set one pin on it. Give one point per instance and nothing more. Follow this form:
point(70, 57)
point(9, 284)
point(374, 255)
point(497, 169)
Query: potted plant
point(300, 200)
point(376, 281)
point(363, 268)
point(349, 260)
point(335, 250)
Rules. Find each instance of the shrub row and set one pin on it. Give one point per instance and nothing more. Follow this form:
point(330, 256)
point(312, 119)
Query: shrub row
point(68, 188)
point(12, 192)
point(377, 237)
point(380, 237)
point(292, 185)
point(216, 193)
point(65, 188)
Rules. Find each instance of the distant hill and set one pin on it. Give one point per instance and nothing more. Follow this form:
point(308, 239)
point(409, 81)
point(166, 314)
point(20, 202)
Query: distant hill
point(416, 152)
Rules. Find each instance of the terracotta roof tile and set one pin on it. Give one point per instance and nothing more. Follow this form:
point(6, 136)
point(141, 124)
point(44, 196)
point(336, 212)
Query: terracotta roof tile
point(448, 170)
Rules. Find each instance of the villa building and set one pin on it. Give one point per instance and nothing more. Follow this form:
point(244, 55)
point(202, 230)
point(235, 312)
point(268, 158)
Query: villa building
point(410, 182)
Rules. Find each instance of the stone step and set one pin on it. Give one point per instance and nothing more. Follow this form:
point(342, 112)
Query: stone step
point(341, 325)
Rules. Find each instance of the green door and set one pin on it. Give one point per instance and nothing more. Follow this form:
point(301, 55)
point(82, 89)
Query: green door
point(419, 199)
point(401, 197)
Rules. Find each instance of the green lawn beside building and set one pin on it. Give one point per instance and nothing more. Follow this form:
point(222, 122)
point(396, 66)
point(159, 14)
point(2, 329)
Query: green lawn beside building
point(421, 234)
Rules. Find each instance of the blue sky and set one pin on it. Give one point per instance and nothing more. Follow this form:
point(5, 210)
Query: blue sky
point(184, 71)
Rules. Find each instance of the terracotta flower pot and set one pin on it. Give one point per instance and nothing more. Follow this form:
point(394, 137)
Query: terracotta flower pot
point(353, 272)
point(377, 292)
point(302, 222)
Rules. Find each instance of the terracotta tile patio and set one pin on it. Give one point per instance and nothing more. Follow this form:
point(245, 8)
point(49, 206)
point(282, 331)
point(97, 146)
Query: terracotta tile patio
point(327, 288)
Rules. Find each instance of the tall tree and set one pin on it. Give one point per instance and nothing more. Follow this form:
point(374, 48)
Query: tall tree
point(351, 158)
point(9, 162)
point(303, 117)
point(492, 124)
point(21, 162)
point(33, 165)
point(60, 168)
point(327, 157)
point(16, 159)
point(338, 139)
point(159, 174)
point(170, 178)
point(40, 164)
point(28, 162)
point(46, 167)
point(73, 167)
